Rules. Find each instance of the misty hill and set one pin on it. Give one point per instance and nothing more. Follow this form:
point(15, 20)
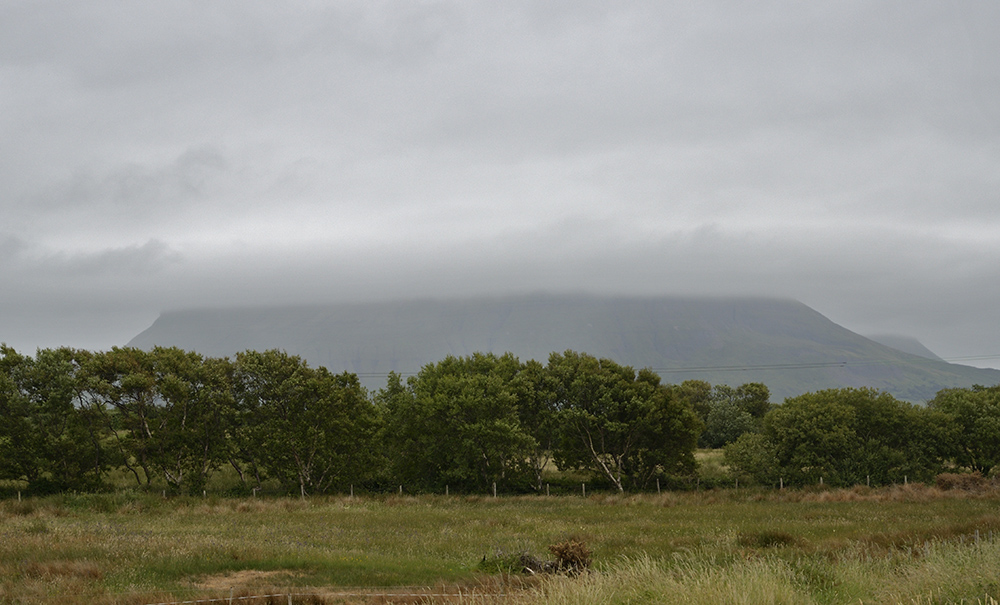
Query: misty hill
point(782, 343)
point(905, 344)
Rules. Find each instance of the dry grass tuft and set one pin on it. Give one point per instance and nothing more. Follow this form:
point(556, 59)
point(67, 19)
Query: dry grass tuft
point(766, 539)
point(572, 556)
point(967, 482)
point(72, 569)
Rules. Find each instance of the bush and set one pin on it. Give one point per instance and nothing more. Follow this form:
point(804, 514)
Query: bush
point(766, 539)
point(572, 556)
point(969, 482)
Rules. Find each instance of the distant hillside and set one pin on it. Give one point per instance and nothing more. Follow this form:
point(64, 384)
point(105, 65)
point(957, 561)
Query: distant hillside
point(782, 343)
point(905, 344)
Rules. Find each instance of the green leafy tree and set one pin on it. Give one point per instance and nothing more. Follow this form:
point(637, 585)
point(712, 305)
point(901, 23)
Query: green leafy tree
point(46, 439)
point(119, 387)
point(456, 424)
point(537, 410)
point(18, 453)
point(698, 394)
point(850, 436)
point(974, 416)
point(812, 434)
point(308, 428)
point(188, 438)
point(752, 458)
point(733, 412)
point(620, 424)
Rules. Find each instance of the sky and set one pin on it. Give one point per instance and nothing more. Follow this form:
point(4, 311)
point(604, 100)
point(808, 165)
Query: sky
point(168, 155)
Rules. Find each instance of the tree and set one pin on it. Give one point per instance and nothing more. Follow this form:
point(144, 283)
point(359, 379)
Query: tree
point(619, 423)
point(698, 394)
point(812, 434)
point(188, 440)
point(307, 428)
point(753, 459)
point(120, 388)
point(46, 439)
point(975, 418)
point(849, 436)
point(456, 424)
point(733, 412)
point(535, 393)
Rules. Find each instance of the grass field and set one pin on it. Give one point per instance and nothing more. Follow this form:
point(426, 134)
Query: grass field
point(909, 544)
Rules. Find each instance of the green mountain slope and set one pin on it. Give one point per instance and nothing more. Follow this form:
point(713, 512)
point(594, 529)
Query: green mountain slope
point(782, 343)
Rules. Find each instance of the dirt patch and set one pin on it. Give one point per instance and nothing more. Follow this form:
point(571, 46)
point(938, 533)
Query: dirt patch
point(245, 578)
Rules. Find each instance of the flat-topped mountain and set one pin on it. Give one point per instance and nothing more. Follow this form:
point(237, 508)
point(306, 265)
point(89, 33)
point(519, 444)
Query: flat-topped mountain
point(783, 343)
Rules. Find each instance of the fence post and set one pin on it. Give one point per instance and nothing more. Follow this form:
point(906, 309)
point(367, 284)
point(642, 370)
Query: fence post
point(737, 483)
point(494, 489)
point(352, 490)
point(546, 489)
point(584, 487)
point(781, 483)
point(400, 490)
point(657, 485)
point(446, 490)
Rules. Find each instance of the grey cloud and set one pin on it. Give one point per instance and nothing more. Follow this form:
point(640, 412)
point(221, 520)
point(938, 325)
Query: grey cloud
point(86, 273)
point(10, 247)
point(841, 153)
point(128, 261)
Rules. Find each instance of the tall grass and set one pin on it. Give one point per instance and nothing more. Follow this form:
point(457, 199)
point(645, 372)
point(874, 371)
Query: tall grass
point(943, 572)
point(766, 546)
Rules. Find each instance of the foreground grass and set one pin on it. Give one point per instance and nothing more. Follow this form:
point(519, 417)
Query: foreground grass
point(906, 544)
point(942, 573)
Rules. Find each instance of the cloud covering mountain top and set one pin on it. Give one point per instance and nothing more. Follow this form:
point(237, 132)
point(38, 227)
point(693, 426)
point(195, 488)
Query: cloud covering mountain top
point(183, 154)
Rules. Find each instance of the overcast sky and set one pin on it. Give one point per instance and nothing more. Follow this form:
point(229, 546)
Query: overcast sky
point(165, 155)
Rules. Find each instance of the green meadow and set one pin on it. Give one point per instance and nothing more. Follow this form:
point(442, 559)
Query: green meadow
point(902, 544)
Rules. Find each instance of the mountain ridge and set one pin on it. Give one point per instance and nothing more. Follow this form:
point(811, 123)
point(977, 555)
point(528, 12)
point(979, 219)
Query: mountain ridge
point(781, 342)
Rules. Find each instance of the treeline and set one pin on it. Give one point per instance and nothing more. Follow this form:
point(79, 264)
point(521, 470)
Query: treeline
point(71, 419)
point(863, 436)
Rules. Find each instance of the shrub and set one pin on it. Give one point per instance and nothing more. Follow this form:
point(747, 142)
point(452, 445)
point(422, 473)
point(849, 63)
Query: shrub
point(766, 539)
point(572, 556)
point(969, 482)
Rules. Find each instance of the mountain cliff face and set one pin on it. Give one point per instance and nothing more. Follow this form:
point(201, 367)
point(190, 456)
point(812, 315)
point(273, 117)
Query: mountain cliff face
point(784, 344)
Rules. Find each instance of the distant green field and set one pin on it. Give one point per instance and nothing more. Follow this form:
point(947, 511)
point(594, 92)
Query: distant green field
point(816, 546)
